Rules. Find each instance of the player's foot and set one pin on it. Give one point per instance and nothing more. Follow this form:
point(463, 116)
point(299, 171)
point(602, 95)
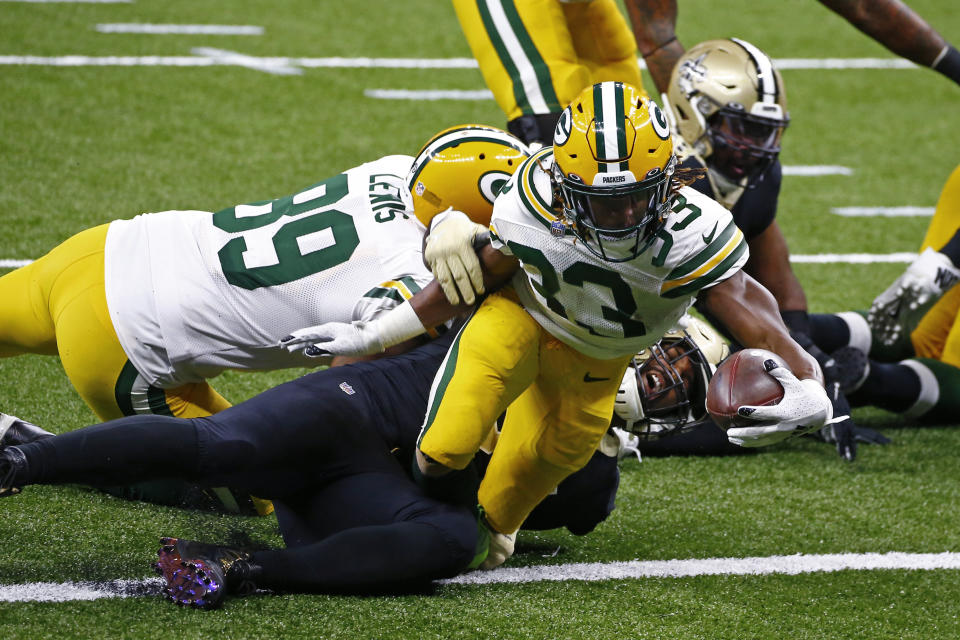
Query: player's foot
point(852, 368)
point(14, 431)
point(202, 575)
point(11, 461)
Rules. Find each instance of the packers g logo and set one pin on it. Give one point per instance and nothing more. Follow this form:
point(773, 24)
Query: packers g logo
point(562, 132)
point(491, 183)
point(659, 121)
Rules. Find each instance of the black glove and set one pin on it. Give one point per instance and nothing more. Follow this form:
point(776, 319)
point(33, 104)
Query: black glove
point(827, 364)
point(842, 433)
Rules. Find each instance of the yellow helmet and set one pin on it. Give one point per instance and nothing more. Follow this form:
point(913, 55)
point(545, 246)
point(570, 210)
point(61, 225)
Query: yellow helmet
point(729, 103)
point(664, 390)
point(613, 158)
point(463, 167)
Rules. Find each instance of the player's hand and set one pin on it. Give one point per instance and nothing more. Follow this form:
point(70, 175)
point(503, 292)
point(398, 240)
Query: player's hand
point(898, 310)
point(451, 257)
point(356, 338)
point(803, 408)
point(501, 548)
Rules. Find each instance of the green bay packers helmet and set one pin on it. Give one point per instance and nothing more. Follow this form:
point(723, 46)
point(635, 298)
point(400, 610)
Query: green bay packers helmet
point(729, 103)
point(664, 389)
point(613, 160)
point(463, 167)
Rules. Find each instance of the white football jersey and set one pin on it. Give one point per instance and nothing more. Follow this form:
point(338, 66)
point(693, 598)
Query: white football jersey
point(606, 309)
point(191, 293)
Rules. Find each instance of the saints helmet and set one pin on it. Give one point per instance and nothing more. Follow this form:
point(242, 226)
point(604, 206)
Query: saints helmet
point(664, 389)
point(463, 167)
point(729, 103)
point(613, 160)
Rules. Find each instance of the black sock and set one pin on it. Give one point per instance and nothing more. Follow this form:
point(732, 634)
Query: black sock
point(894, 387)
point(829, 332)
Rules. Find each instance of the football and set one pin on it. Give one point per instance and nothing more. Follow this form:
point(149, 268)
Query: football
point(740, 380)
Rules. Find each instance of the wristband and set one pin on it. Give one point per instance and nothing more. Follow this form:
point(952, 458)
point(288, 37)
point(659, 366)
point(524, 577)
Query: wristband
point(948, 63)
point(400, 324)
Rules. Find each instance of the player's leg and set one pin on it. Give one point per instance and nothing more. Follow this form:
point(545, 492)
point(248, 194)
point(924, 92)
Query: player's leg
point(603, 41)
point(549, 432)
point(489, 364)
point(582, 501)
point(527, 58)
point(273, 444)
point(369, 533)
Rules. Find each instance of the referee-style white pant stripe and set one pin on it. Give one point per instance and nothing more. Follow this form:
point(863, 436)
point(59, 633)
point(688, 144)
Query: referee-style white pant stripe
point(929, 390)
point(528, 75)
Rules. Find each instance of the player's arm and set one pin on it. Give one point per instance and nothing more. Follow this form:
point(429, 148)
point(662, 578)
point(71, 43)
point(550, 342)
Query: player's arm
point(429, 307)
point(750, 313)
point(654, 23)
point(901, 30)
point(769, 265)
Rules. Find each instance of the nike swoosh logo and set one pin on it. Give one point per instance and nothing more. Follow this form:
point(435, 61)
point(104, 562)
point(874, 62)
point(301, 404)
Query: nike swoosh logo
point(709, 238)
point(589, 378)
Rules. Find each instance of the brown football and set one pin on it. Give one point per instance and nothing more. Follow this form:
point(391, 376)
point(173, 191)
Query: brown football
point(741, 380)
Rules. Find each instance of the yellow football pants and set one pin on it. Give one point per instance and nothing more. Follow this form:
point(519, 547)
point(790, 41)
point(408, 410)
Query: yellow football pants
point(560, 405)
point(938, 334)
point(57, 305)
point(537, 55)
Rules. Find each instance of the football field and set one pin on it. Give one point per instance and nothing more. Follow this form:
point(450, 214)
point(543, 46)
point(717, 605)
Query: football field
point(110, 108)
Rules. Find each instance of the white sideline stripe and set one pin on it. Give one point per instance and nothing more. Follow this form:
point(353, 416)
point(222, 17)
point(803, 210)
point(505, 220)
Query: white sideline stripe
point(206, 29)
point(788, 565)
point(817, 258)
point(369, 63)
point(593, 571)
point(882, 211)
point(817, 170)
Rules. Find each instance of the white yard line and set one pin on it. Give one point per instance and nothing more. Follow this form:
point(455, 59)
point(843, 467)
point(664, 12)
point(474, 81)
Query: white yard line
point(789, 565)
point(882, 211)
point(593, 571)
point(267, 65)
point(816, 170)
point(201, 60)
point(189, 29)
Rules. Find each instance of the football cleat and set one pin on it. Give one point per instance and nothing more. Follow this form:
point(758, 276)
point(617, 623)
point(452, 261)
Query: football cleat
point(11, 461)
point(14, 431)
point(201, 575)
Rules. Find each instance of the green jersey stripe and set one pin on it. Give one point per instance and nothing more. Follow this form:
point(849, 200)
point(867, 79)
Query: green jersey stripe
point(123, 389)
point(699, 283)
point(708, 252)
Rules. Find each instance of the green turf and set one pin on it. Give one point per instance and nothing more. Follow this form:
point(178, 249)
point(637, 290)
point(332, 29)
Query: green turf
point(82, 146)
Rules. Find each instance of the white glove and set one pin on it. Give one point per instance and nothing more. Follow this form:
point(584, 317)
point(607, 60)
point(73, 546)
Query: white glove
point(899, 309)
point(501, 548)
point(451, 257)
point(357, 338)
point(804, 407)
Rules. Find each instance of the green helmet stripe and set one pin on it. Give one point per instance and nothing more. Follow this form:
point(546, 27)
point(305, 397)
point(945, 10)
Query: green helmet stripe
point(611, 135)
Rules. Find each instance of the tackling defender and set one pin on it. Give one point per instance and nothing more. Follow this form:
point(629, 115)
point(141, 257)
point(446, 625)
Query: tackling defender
point(605, 251)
